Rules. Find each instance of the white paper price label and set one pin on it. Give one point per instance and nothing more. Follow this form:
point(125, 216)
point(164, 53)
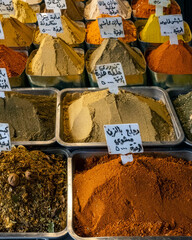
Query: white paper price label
point(56, 4)
point(5, 143)
point(4, 81)
point(50, 23)
point(171, 25)
point(6, 7)
point(123, 138)
point(110, 75)
point(162, 3)
point(110, 7)
point(1, 32)
point(111, 27)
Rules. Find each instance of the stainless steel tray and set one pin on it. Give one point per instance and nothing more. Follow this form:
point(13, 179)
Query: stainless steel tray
point(79, 156)
point(34, 235)
point(153, 92)
point(39, 91)
point(173, 94)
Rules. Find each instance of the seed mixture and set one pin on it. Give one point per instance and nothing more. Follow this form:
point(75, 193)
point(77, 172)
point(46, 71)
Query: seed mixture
point(32, 192)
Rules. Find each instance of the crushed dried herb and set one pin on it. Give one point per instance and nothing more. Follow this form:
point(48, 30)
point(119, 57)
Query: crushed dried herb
point(33, 206)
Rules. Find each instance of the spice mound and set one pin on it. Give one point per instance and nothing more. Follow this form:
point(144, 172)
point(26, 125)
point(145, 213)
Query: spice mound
point(33, 191)
point(92, 9)
point(150, 196)
point(93, 35)
point(13, 61)
point(23, 12)
point(171, 59)
point(74, 33)
point(30, 117)
point(142, 8)
point(111, 51)
point(151, 32)
point(183, 107)
point(84, 118)
point(55, 58)
point(16, 34)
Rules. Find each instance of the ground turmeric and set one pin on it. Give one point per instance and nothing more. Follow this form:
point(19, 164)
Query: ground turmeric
point(151, 32)
point(142, 9)
point(93, 33)
point(171, 59)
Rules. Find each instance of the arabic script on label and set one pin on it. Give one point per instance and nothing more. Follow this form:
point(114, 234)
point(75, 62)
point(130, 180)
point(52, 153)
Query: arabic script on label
point(171, 24)
point(6, 7)
point(5, 143)
point(50, 23)
point(55, 4)
point(111, 27)
point(4, 80)
point(110, 75)
point(123, 138)
point(162, 3)
point(110, 7)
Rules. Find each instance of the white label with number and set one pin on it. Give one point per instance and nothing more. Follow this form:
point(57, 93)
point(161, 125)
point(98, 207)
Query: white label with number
point(162, 3)
point(4, 80)
point(110, 7)
point(110, 75)
point(55, 4)
point(171, 24)
point(1, 32)
point(123, 138)
point(50, 23)
point(5, 143)
point(111, 27)
point(6, 7)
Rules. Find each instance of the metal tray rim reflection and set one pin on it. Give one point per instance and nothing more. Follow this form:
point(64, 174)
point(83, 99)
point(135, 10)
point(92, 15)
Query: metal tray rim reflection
point(70, 197)
point(31, 91)
point(43, 235)
point(181, 90)
point(169, 106)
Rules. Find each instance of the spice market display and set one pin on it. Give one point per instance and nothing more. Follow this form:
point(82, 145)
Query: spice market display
point(95, 119)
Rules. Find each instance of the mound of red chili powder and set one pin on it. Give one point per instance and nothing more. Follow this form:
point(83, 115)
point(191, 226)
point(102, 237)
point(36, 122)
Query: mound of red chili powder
point(13, 61)
point(151, 196)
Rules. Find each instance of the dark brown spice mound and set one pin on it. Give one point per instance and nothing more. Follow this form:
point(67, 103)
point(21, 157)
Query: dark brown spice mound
point(32, 192)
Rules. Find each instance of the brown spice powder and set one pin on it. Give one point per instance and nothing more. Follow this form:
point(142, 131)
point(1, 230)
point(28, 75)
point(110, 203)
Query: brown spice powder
point(151, 196)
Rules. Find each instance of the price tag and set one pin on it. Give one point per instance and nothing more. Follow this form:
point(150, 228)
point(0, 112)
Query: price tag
point(110, 76)
point(110, 7)
point(5, 143)
point(6, 7)
point(111, 27)
point(162, 3)
point(1, 32)
point(4, 80)
point(56, 5)
point(123, 138)
point(171, 25)
point(50, 23)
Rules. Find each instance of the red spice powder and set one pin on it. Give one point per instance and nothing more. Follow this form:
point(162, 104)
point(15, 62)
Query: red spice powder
point(13, 61)
point(151, 196)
